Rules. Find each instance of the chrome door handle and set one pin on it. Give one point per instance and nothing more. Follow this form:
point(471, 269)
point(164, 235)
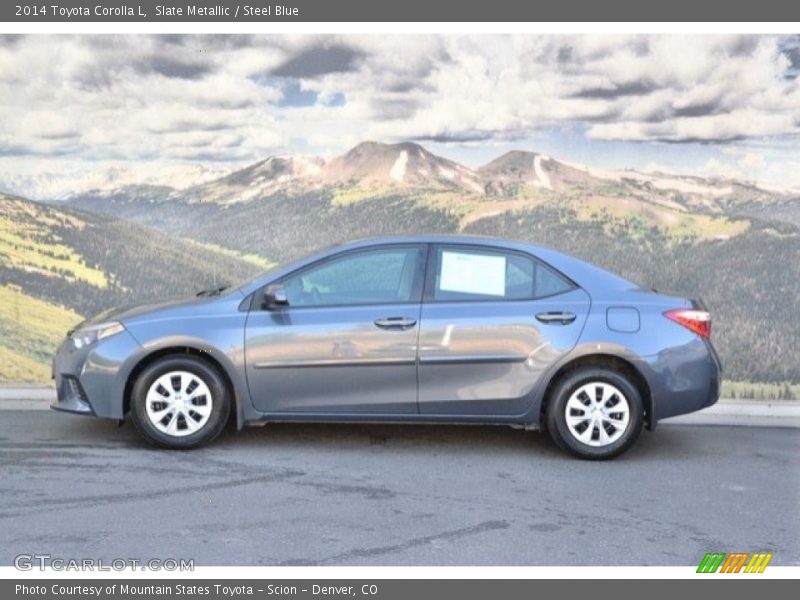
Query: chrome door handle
point(395, 323)
point(565, 318)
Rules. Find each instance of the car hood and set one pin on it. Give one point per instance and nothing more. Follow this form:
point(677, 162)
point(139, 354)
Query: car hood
point(132, 311)
point(129, 311)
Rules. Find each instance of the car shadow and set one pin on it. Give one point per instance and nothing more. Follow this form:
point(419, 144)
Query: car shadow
point(669, 442)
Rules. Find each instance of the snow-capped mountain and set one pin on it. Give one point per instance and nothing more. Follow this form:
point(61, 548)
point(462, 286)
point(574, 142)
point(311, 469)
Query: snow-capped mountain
point(405, 165)
point(517, 171)
point(373, 169)
point(276, 174)
point(103, 179)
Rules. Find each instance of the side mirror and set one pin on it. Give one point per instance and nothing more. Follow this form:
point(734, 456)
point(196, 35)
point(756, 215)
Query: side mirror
point(275, 296)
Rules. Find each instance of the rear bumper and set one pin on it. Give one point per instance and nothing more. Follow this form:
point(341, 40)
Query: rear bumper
point(684, 379)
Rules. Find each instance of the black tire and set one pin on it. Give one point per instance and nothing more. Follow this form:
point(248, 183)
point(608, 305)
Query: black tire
point(556, 418)
point(220, 402)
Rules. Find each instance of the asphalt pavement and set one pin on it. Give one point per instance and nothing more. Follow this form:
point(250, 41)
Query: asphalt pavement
point(76, 487)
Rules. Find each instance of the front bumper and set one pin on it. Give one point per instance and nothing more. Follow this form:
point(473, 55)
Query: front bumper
point(70, 397)
point(91, 380)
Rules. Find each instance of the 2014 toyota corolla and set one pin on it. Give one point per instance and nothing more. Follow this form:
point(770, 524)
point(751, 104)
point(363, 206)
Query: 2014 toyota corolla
point(413, 329)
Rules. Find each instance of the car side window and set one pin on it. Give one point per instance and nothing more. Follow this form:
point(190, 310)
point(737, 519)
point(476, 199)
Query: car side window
point(376, 276)
point(477, 274)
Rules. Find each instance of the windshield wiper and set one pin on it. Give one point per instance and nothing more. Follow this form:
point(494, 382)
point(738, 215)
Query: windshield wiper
point(212, 291)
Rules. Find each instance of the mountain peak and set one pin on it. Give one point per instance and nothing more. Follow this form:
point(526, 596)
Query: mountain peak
point(516, 155)
point(371, 148)
point(404, 164)
point(516, 170)
point(519, 170)
point(512, 160)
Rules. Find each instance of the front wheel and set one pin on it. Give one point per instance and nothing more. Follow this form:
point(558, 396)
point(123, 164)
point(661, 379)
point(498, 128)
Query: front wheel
point(595, 413)
point(179, 402)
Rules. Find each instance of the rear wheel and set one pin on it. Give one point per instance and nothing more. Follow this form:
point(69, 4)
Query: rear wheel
point(179, 402)
point(595, 413)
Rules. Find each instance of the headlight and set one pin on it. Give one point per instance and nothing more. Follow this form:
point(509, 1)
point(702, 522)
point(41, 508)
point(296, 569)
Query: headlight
point(89, 335)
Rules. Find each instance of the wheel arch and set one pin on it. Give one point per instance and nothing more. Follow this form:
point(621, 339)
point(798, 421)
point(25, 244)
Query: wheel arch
point(185, 350)
point(606, 360)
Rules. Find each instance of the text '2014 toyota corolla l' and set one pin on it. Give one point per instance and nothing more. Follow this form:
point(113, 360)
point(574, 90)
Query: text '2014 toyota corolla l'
point(429, 329)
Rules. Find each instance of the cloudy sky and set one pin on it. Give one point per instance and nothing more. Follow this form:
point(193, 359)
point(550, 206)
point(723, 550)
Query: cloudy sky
point(79, 111)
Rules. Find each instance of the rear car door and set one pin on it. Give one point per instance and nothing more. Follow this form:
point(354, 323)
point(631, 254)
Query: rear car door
point(347, 341)
point(493, 321)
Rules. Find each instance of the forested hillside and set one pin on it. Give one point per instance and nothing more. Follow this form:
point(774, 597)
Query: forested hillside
point(59, 265)
point(751, 282)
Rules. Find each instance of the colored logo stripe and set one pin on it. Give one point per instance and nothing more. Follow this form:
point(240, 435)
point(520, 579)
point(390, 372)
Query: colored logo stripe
point(758, 562)
point(711, 562)
point(734, 563)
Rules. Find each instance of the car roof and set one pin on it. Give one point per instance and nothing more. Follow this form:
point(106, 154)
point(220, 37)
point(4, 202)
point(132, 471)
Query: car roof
point(478, 240)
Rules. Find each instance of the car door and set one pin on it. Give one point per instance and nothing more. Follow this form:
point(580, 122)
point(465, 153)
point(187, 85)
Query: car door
point(346, 342)
point(493, 321)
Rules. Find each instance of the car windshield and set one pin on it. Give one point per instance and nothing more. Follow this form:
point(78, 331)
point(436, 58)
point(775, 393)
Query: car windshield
point(242, 284)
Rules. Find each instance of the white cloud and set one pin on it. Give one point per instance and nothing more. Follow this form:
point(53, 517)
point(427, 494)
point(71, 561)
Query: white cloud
point(753, 163)
point(228, 99)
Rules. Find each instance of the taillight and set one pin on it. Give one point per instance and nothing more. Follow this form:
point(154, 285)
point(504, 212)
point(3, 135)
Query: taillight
point(698, 321)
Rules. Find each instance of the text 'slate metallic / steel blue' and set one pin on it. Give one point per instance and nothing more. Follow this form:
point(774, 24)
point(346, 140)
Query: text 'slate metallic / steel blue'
point(427, 329)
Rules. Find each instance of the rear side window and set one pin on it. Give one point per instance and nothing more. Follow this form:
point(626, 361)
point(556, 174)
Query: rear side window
point(478, 274)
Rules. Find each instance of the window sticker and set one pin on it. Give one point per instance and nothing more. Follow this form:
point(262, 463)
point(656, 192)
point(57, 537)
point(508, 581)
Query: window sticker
point(473, 274)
